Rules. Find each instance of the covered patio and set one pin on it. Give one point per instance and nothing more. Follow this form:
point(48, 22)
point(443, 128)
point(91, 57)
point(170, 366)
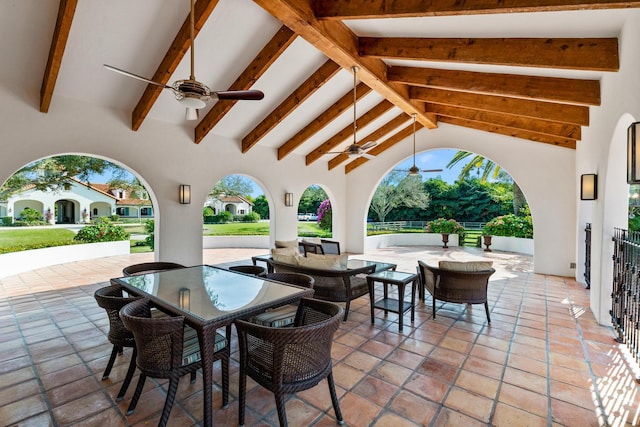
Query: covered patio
point(546, 92)
point(544, 360)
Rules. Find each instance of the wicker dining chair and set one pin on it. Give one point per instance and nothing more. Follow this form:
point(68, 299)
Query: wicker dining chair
point(166, 351)
point(288, 360)
point(150, 267)
point(112, 299)
point(254, 270)
point(283, 316)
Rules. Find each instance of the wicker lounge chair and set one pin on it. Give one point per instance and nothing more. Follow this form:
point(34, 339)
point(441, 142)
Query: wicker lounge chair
point(112, 300)
point(149, 267)
point(342, 285)
point(288, 360)
point(456, 286)
point(254, 270)
point(165, 351)
point(283, 316)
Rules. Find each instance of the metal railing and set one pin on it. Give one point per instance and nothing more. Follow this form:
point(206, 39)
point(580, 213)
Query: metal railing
point(587, 255)
point(415, 225)
point(625, 297)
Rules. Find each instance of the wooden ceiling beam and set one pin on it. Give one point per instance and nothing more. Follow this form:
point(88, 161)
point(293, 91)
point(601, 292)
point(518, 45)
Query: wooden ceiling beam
point(293, 101)
point(563, 113)
point(373, 136)
point(595, 54)
point(267, 56)
point(383, 146)
point(347, 131)
point(569, 91)
point(339, 43)
point(508, 120)
point(516, 133)
point(179, 47)
point(367, 9)
point(326, 117)
point(66, 11)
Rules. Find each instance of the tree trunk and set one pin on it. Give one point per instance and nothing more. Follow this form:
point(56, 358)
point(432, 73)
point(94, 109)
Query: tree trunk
point(518, 199)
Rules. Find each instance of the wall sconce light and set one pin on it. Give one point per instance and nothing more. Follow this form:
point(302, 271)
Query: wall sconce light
point(184, 299)
point(288, 199)
point(184, 194)
point(633, 154)
point(589, 186)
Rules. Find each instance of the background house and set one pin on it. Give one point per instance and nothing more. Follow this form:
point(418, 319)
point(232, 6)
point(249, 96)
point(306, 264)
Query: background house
point(237, 205)
point(78, 202)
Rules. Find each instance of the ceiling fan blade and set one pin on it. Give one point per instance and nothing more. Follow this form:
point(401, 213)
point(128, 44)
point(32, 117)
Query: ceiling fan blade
point(368, 145)
point(191, 114)
point(245, 95)
point(135, 76)
point(431, 170)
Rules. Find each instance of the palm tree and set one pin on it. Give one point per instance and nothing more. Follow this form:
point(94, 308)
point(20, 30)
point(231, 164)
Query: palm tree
point(487, 168)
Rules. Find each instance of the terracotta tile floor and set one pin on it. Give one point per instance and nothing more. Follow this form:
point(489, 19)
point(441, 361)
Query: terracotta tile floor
point(543, 361)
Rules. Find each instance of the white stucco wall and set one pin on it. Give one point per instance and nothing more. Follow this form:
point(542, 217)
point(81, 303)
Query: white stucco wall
point(603, 151)
point(159, 153)
point(545, 173)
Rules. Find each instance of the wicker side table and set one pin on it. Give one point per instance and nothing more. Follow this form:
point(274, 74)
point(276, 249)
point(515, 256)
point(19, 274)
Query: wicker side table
point(400, 306)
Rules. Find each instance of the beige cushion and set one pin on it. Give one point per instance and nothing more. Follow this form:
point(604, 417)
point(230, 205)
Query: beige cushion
point(286, 255)
point(290, 251)
point(428, 278)
point(286, 243)
point(322, 262)
point(340, 260)
point(465, 265)
point(314, 240)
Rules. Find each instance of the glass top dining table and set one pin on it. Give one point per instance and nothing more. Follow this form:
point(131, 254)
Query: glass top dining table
point(210, 298)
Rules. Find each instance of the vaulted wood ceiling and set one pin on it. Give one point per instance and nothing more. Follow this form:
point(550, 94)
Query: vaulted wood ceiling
point(549, 110)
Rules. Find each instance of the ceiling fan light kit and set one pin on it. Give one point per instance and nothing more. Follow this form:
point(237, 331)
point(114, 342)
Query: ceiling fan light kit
point(192, 94)
point(354, 149)
point(415, 170)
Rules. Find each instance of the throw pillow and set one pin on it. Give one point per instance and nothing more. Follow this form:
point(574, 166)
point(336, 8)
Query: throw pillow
point(340, 260)
point(290, 251)
point(320, 262)
point(465, 265)
point(285, 257)
point(286, 243)
point(314, 240)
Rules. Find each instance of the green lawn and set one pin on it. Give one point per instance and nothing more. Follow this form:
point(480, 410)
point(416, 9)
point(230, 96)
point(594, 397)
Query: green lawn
point(308, 228)
point(16, 239)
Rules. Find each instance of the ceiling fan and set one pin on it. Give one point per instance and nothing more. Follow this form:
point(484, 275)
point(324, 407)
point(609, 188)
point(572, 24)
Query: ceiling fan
point(414, 170)
point(190, 92)
point(355, 149)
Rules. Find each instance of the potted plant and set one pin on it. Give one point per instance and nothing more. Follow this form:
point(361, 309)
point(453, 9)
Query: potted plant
point(508, 226)
point(445, 227)
point(85, 216)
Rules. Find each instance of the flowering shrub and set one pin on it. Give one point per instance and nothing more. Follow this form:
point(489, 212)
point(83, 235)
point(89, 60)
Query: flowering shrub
point(325, 215)
point(150, 227)
point(510, 226)
point(446, 226)
point(102, 230)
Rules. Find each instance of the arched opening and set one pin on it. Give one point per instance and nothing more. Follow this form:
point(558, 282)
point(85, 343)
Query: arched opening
point(315, 213)
point(236, 206)
point(72, 190)
point(454, 185)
